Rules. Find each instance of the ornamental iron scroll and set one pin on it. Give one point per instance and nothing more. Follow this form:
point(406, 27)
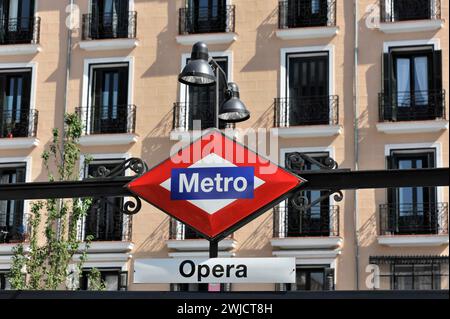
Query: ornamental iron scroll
point(297, 162)
point(132, 204)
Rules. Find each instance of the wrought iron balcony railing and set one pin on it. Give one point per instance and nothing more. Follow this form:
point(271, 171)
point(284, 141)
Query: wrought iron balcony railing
point(206, 19)
point(412, 106)
point(404, 10)
point(182, 119)
point(20, 30)
point(110, 26)
point(107, 223)
point(20, 123)
point(108, 119)
point(410, 219)
point(318, 221)
point(301, 14)
point(308, 110)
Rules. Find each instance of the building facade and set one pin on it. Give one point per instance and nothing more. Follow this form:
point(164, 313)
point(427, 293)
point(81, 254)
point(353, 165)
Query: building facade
point(363, 82)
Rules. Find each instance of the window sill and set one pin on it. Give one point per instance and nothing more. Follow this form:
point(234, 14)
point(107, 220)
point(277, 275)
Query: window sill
point(19, 49)
point(315, 256)
point(413, 240)
point(307, 33)
point(411, 26)
point(307, 242)
point(109, 44)
point(308, 131)
point(412, 127)
point(108, 247)
point(108, 139)
point(198, 245)
point(18, 143)
point(208, 38)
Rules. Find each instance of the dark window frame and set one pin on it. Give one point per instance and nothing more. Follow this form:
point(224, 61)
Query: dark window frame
point(18, 226)
point(22, 125)
point(323, 205)
point(429, 194)
point(99, 162)
point(328, 273)
point(303, 108)
point(104, 271)
point(111, 124)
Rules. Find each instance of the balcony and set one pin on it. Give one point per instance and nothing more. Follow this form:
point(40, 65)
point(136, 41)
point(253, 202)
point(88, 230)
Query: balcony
point(116, 31)
point(316, 228)
point(307, 19)
point(311, 116)
point(412, 112)
point(19, 36)
point(211, 25)
point(421, 224)
point(111, 125)
point(398, 16)
point(183, 122)
point(105, 223)
point(18, 128)
point(187, 243)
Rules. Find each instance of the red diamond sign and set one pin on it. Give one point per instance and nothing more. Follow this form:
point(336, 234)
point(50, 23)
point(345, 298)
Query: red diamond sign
point(214, 184)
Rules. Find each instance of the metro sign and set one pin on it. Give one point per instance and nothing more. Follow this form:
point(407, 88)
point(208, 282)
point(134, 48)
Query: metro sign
point(214, 184)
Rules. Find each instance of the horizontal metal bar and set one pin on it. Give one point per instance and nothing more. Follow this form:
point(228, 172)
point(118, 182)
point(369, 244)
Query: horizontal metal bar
point(317, 180)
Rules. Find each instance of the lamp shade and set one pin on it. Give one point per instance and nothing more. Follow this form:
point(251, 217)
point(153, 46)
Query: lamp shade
point(233, 110)
point(197, 71)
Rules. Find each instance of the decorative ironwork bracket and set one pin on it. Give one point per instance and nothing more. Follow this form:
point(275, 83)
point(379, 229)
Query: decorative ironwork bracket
point(139, 167)
point(296, 163)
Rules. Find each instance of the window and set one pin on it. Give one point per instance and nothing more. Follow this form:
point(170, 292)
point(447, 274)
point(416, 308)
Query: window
point(202, 100)
point(4, 281)
point(104, 221)
point(312, 278)
point(109, 19)
point(109, 110)
point(11, 211)
point(317, 220)
point(307, 13)
point(16, 21)
point(15, 87)
point(205, 16)
point(413, 84)
point(412, 273)
point(404, 10)
point(308, 101)
point(114, 279)
point(412, 210)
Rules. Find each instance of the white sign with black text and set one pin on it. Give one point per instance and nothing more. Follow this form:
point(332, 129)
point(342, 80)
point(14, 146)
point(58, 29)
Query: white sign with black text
point(215, 270)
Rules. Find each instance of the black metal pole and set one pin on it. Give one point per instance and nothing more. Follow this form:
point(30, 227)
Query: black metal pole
point(213, 248)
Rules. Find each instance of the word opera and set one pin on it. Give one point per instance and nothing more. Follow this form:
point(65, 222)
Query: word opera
point(214, 190)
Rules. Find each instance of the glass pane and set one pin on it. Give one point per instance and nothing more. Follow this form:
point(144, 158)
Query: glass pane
point(301, 280)
point(317, 279)
point(105, 96)
point(403, 83)
point(421, 80)
point(111, 282)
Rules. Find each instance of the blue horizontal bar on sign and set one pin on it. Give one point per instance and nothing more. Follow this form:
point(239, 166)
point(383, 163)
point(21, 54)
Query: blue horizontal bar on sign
point(209, 183)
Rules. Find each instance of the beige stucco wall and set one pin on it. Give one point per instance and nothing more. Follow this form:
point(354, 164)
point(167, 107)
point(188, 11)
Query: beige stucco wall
point(256, 69)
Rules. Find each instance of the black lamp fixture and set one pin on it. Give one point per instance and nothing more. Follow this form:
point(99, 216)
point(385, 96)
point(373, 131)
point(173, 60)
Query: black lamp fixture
point(198, 72)
point(233, 110)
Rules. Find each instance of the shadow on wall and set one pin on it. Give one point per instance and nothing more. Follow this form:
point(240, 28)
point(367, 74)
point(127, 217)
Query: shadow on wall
point(258, 239)
point(155, 242)
point(264, 55)
point(165, 43)
point(266, 119)
point(156, 145)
